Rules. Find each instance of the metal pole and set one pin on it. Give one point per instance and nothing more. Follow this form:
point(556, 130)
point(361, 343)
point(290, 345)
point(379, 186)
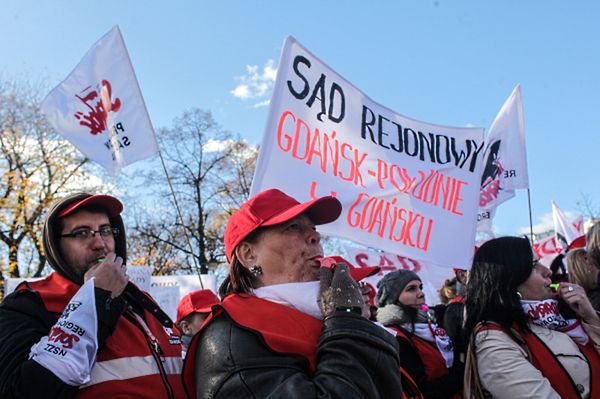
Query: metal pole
point(530, 217)
point(187, 237)
point(162, 161)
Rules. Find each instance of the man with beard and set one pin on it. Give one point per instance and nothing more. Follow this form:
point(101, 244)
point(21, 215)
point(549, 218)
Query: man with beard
point(85, 331)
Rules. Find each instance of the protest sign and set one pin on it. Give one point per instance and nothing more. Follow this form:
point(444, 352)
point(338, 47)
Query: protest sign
point(406, 186)
point(140, 276)
point(432, 276)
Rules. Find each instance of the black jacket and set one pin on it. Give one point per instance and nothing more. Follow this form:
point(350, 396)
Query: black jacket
point(355, 359)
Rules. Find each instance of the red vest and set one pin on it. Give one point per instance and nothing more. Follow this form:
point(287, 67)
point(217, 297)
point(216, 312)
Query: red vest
point(284, 329)
point(544, 360)
point(433, 361)
point(127, 366)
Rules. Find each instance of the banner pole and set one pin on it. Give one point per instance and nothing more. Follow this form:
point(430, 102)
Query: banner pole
point(530, 217)
point(162, 161)
point(185, 233)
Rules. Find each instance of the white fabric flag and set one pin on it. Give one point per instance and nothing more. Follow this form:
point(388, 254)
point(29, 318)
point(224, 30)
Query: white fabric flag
point(406, 186)
point(69, 350)
point(505, 159)
point(565, 229)
point(99, 107)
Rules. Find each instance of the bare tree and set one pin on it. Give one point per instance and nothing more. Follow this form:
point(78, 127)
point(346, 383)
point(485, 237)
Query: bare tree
point(211, 174)
point(588, 207)
point(36, 166)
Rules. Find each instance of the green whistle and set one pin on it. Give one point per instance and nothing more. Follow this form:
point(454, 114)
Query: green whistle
point(100, 260)
point(554, 286)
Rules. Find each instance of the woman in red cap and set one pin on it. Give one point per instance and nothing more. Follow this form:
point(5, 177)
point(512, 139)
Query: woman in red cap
point(288, 327)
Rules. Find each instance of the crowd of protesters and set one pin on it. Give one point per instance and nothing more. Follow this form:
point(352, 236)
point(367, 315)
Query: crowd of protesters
point(293, 323)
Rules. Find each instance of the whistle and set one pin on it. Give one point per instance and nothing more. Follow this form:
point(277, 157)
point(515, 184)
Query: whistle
point(554, 286)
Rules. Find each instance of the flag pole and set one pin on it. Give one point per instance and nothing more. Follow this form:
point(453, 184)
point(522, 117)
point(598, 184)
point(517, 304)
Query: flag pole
point(185, 233)
point(162, 161)
point(530, 218)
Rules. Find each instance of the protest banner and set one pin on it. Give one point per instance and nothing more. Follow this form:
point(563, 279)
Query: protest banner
point(406, 186)
point(99, 107)
point(432, 276)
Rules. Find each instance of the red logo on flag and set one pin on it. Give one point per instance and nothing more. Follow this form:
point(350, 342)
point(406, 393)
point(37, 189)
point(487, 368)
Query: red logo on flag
point(99, 101)
point(66, 339)
point(490, 181)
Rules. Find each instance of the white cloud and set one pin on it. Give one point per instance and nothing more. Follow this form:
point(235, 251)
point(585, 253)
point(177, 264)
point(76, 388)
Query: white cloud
point(256, 84)
point(216, 145)
point(262, 104)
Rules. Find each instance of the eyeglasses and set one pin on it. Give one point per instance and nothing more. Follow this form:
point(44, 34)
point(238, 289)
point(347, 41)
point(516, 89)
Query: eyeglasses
point(87, 233)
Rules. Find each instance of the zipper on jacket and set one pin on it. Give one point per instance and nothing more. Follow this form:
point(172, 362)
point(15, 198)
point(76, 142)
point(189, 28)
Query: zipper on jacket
point(155, 350)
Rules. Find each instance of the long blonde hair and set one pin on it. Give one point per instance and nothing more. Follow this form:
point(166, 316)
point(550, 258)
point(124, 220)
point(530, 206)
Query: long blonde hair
point(592, 238)
point(580, 269)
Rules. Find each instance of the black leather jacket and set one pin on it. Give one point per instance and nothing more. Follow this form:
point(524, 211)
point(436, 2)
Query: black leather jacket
point(355, 359)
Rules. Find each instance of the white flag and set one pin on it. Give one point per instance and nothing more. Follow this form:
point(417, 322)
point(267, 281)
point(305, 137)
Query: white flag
point(565, 229)
point(99, 107)
point(505, 158)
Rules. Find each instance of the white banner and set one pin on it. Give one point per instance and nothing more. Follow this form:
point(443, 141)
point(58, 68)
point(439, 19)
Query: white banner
point(432, 276)
point(99, 107)
point(505, 159)
point(406, 186)
point(140, 276)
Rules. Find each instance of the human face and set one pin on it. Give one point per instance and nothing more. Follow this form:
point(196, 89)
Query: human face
point(191, 324)
point(288, 252)
point(81, 255)
point(412, 295)
point(535, 288)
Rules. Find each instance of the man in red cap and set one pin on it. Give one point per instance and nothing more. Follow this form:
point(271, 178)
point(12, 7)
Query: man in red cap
point(192, 310)
point(85, 331)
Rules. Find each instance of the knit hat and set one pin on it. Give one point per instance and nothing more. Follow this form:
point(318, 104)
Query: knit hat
point(391, 286)
point(513, 253)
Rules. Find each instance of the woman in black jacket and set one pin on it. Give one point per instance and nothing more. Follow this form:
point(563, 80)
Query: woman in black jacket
point(287, 327)
point(426, 351)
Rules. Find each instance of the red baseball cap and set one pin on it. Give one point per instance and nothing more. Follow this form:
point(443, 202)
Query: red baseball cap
point(113, 206)
point(357, 273)
point(200, 301)
point(271, 207)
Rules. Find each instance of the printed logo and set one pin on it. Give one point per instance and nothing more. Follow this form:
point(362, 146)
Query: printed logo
point(490, 180)
point(99, 103)
point(64, 338)
point(71, 307)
